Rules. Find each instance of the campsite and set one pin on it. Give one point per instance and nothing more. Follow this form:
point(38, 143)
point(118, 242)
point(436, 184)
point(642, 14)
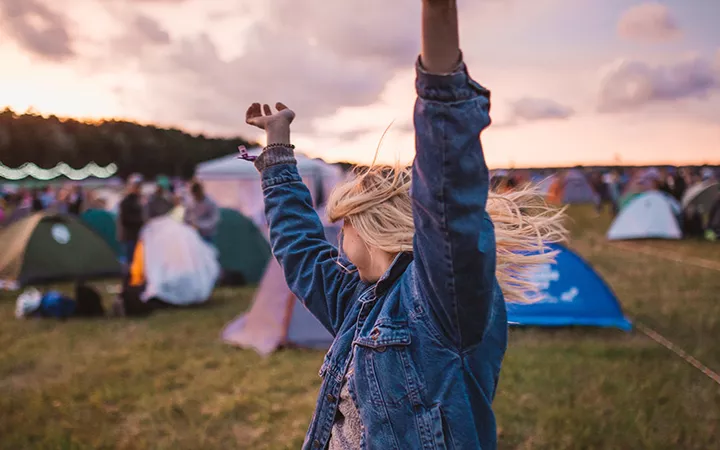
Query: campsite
point(169, 381)
point(360, 224)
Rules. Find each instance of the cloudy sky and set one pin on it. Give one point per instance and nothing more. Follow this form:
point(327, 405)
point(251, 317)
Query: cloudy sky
point(573, 81)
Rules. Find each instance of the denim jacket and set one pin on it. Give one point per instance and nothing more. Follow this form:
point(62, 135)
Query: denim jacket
point(429, 337)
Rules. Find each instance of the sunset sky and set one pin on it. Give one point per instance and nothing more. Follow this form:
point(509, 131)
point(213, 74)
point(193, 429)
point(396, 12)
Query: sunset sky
point(572, 81)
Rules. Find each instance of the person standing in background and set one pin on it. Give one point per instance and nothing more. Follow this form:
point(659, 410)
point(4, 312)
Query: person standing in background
point(75, 200)
point(599, 187)
point(160, 202)
point(202, 213)
point(131, 216)
point(36, 201)
point(679, 184)
point(611, 180)
point(47, 197)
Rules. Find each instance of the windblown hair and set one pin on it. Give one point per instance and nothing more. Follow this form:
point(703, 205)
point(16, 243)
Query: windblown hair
point(376, 202)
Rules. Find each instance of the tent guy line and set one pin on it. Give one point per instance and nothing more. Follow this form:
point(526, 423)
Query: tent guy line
point(693, 261)
point(657, 337)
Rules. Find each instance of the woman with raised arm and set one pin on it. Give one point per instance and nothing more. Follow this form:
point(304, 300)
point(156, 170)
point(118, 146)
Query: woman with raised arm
point(416, 298)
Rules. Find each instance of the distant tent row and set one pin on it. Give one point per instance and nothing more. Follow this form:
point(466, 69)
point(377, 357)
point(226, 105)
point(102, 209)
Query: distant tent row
point(656, 215)
point(574, 295)
point(569, 188)
point(46, 247)
point(243, 250)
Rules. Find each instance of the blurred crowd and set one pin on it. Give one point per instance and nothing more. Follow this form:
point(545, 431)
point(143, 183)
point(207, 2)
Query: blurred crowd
point(184, 201)
point(68, 199)
point(188, 204)
point(611, 185)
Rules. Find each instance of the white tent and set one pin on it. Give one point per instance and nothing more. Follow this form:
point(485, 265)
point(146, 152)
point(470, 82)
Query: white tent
point(235, 183)
point(650, 215)
point(180, 268)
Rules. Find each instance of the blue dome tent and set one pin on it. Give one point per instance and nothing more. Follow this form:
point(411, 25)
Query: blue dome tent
point(574, 294)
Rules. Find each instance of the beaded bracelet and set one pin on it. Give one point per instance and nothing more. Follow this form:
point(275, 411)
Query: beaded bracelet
point(248, 157)
point(268, 147)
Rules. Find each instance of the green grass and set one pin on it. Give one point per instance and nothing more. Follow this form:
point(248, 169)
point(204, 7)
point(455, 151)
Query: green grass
point(167, 382)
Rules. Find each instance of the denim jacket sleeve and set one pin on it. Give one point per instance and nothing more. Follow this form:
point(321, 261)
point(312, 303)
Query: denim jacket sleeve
point(454, 236)
point(297, 236)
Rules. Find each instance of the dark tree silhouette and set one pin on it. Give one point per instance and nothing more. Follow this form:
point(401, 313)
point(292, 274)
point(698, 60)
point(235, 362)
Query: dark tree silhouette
point(146, 149)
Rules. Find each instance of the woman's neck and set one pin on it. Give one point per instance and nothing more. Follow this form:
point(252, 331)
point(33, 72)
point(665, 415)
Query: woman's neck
point(381, 262)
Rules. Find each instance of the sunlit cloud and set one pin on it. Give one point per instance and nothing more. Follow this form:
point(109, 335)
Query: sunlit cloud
point(649, 22)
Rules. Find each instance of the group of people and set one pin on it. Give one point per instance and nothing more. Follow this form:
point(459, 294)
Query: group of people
point(610, 185)
point(69, 199)
point(134, 211)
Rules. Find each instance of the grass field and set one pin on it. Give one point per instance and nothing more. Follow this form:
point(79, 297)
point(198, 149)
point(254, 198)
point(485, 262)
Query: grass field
point(167, 382)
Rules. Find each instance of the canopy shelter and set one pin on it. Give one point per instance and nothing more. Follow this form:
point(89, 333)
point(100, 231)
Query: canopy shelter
point(234, 183)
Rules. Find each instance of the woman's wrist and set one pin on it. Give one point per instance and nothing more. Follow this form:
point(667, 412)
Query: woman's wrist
point(278, 133)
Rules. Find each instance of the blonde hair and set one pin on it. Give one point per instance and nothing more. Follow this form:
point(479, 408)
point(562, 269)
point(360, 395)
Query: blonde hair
point(376, 202)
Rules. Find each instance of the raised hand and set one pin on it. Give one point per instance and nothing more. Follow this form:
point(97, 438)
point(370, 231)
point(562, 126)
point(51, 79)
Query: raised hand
point(264, 118)
point(276, 125)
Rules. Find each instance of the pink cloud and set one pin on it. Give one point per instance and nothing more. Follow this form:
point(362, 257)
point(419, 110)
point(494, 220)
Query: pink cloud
point(633, 84)
point(151, 30)
point(530, 109)
point(37, 28)
point(651, 22)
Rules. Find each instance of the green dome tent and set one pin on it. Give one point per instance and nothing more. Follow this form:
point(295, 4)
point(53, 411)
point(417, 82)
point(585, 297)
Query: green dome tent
point(243, 249)
point(46, 248)
point(103, 223)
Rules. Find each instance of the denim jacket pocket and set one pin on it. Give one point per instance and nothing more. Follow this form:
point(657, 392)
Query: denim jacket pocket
point(384, 358)
point(384, 335)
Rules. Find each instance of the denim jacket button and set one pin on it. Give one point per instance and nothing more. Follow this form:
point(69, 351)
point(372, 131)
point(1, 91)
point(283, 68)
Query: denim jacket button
point(381, 349)
point(316, 444)
point(331, 398)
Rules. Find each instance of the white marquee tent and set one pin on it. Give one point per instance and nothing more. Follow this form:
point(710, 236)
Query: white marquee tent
point(235, 183)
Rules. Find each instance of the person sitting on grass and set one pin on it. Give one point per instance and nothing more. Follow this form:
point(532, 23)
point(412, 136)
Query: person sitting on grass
point(416, 299)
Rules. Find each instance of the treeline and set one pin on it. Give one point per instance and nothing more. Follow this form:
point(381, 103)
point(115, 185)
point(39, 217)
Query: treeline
point(48, 141)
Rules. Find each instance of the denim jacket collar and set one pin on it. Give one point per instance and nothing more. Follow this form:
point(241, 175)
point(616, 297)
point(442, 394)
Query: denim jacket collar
point(397, 268)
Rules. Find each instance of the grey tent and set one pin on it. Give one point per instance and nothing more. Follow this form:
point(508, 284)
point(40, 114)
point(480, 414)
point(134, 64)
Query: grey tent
point(277, 318)
point(577, 189)
point(701, 196)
